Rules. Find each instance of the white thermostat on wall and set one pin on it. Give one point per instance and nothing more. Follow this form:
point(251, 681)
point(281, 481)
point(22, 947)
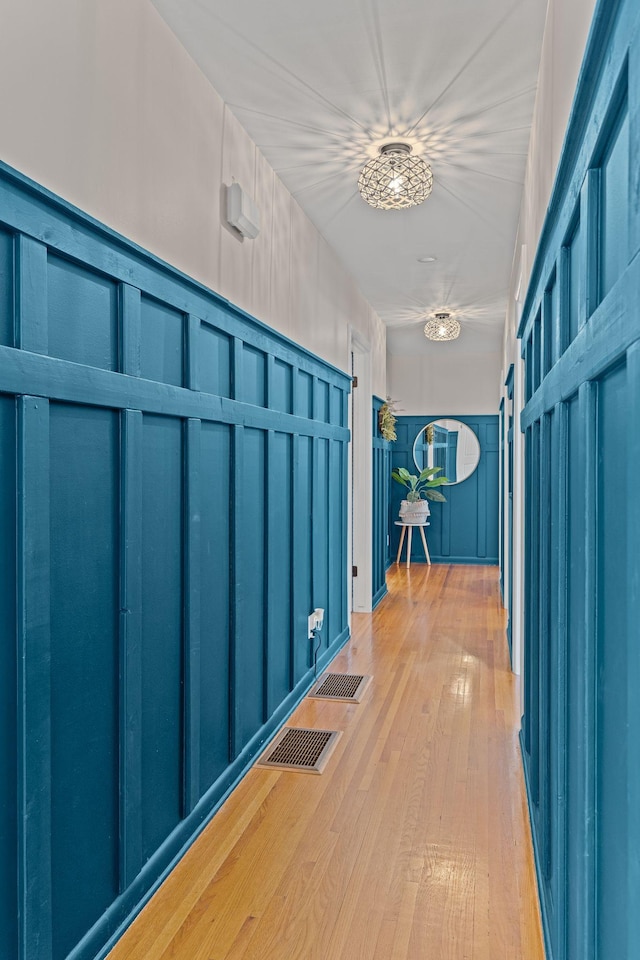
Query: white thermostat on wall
point(242, 212)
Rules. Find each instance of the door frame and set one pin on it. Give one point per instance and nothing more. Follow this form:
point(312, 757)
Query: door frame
point(360, 475)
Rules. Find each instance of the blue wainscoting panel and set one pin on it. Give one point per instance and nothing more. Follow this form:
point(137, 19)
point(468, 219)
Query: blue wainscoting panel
point(303, 405)
point(337, 523)
point(322, 402)
point(250, 590)
point(465, 529)
point(254, 376)
point(614, 185)
point(508, 493)
point(281, 387)
point(84, 484)
point(6, 288)
point(279, 568)
point(214, 361)
point(581, 724)
point(162, 338)
point(612, 837)
point(381, 474)
point(302, 501)
point(8, 691)
point(502, 513)
point(162, 628)
point(320, 527)
point(173, 477)
point(215, 614)
point(73, 294)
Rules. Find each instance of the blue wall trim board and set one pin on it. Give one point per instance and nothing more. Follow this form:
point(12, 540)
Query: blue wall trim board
point(162, 455)
point(580, 334)
point(501, 509)
point(465, 528)
point(507, 560)
point(381, 472)
point(536, 856)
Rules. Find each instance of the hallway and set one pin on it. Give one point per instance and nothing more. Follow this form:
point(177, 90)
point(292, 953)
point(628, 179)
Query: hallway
point(413, 845)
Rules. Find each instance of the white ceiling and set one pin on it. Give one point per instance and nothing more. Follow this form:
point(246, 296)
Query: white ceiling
point(319, 86)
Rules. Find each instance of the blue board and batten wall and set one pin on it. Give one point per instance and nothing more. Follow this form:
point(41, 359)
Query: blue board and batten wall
point(465, 528)
point(173, 479)
point(581, 345)
point(381, 474)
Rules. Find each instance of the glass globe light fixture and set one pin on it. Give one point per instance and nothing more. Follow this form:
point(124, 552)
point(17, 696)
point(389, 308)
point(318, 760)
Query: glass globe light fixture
point(442, 327)
point(395, 180)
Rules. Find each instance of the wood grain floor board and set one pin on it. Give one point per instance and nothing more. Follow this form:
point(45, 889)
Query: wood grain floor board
point(413, 844)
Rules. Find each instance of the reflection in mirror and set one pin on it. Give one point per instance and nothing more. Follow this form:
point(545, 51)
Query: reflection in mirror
point(450, 445)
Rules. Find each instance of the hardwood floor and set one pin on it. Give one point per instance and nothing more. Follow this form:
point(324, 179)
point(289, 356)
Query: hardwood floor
point(413, 845)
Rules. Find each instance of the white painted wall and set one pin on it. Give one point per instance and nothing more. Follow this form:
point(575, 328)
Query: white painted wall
point(100, 103)
point(565, 37)
point(447, 381)
point(458, 381)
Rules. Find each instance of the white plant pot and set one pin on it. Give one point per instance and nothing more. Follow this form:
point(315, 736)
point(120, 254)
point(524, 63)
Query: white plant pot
point(414, 512)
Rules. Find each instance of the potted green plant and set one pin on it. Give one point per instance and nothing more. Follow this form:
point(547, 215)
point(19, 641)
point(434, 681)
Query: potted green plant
point(387, 420)
point(415, 509)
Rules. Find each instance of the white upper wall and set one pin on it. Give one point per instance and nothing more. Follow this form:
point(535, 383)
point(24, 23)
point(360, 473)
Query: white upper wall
point(458, 382)
point(100, 103)
point(447, 382)
point(565, 38)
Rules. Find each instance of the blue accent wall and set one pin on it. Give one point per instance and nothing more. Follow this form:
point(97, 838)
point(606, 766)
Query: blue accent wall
point(501, 512)
point(465, 528)
point(173, 479)
point(8, 685)
point(581, 345)
point(508, 492)
point(381, 474)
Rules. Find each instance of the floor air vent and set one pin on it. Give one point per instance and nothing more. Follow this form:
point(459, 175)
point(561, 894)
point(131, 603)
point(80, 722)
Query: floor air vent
point(296, 748)
point(341, 686)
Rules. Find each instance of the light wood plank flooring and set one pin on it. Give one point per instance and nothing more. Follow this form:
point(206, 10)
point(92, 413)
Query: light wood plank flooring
point(413, 845)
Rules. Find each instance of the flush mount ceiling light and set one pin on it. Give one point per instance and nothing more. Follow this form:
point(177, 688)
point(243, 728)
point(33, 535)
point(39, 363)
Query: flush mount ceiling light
point(395, 180)
point(442, 327)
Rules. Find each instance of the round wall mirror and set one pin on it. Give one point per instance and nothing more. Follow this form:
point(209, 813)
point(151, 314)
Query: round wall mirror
point(448, 444)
